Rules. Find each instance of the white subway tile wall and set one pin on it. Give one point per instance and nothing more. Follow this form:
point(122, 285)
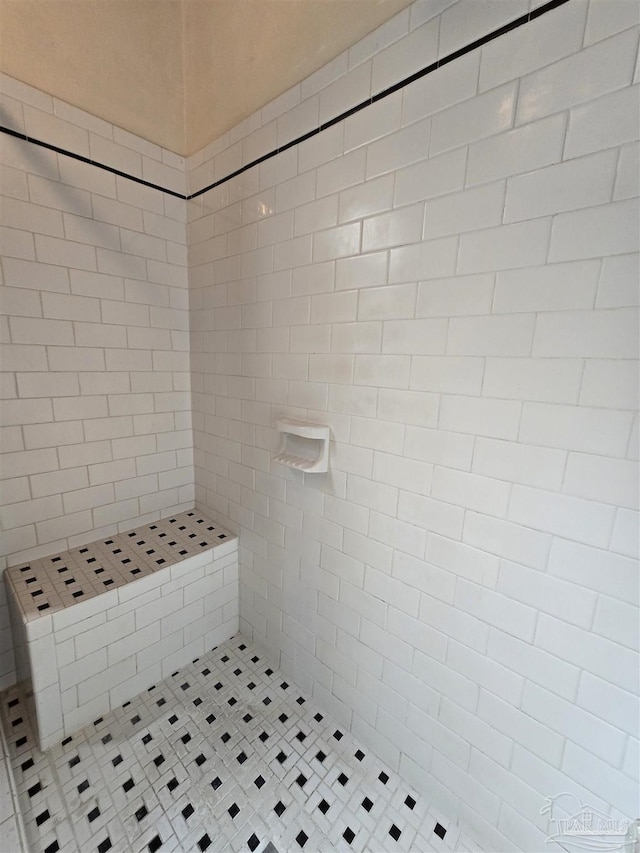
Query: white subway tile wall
point(449, 280)
point(96, 385)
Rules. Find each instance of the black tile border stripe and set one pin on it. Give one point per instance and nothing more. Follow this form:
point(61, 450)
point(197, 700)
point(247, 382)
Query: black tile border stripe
point(89, 161)
point(512, 25)
point(417, 75)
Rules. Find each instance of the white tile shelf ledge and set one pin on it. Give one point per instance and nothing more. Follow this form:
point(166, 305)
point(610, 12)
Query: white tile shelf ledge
point(96, 625)
point(304, 446)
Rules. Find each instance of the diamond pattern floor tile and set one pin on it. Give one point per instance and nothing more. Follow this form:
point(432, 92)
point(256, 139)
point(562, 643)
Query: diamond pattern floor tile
point(224, 755)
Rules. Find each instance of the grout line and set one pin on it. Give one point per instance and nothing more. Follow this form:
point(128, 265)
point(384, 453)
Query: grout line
point(417, 75)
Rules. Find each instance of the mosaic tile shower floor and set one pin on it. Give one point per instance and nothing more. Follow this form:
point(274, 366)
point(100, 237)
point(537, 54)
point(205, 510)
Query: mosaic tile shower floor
point(224, 755)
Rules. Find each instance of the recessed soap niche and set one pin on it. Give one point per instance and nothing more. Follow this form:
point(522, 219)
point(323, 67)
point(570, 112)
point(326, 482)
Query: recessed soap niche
point(303, 445)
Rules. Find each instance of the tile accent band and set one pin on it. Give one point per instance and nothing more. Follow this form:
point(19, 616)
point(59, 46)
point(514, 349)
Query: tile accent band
point(428, 69)
point(88, 160)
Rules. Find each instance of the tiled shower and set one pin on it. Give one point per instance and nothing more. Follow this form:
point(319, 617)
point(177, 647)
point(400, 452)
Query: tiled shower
point(448, 279)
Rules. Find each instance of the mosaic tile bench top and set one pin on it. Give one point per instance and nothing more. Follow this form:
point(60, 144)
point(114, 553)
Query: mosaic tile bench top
point(53, 583)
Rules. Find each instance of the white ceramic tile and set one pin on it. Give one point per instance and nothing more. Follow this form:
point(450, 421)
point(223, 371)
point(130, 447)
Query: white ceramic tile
point(598, 648)
point(578, 428)
point(440, 89)
point(480, 416)
point(465, 211)
point(628, 177)
point(552, 287)
point(545, 40)
point(575, 80)
point(373, 122)
point(605, 19)
point(621, 581)
point(403, 58)
point(398, 149)
point(506, 335)
point(393, 229)
point(34, 217)
point(43, 126)
point(362, 271)
point(382, 371)
point(592, 232)
point(612, 383)
point(613, 481)
point(316, 215)
point(593, 334)
point(607, 701)
point(429, 178)
point(477, 118)
point(514, 543)
point(505, 247)
point(529, 379)
point(616, 621)
point(430, 259)
point(584, 521)
point(348, 90)
point(336, 242)
point(293, 123)
point(448, 374)
point(393, 302)
point(471, 491)
point(464, 22)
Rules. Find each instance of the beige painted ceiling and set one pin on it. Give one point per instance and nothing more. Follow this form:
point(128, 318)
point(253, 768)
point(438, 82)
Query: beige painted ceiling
point(177, 72)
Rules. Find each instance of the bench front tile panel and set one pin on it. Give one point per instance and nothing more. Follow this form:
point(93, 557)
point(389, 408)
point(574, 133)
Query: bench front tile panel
point(89, 654)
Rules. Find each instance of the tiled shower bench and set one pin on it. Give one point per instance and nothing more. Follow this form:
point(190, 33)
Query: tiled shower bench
point(96, 625)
